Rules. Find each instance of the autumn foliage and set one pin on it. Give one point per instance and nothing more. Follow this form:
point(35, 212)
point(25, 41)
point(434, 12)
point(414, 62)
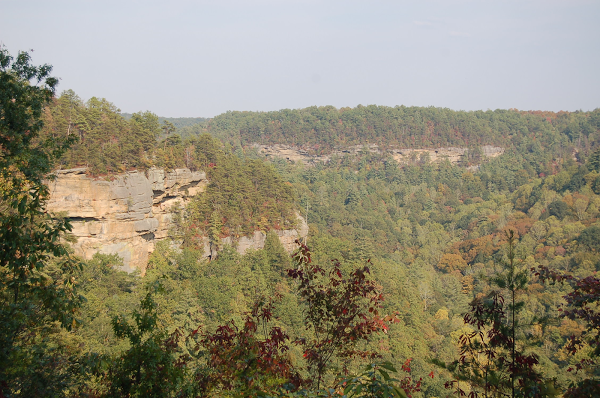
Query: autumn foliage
point(251, 359)
point(340, 312)
point(582, 304)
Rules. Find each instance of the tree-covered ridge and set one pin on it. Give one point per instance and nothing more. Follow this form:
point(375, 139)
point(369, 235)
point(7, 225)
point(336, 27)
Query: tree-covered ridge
point(110, 143)
point(323, 128)
point(243, 195)
point(178, 122)
point(107, 143)
point(185, 127)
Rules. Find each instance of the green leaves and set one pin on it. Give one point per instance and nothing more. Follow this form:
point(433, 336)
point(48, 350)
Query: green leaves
point(243, 196)
point(154, 365)
point(376, 382)
point(36, 285)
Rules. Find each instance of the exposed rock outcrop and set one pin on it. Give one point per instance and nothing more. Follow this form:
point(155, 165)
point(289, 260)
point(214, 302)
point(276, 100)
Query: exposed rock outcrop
point(124, 215)
point(287, 237)
point(453, 154)
point(130, 212)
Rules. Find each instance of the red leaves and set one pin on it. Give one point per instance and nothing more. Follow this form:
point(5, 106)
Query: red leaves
point(341, 310)
point(582, 303)
point(238, 357)
point(407, 383)
point(489, 347)
point(406, 366)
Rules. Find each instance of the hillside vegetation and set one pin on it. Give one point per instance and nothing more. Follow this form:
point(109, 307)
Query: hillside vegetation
point(323, 128)
point(244, 195)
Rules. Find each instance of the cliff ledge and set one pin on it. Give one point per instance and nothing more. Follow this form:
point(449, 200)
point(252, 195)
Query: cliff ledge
point(129, 213)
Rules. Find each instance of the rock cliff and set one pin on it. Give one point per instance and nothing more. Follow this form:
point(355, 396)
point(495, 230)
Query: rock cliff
point(130, 212)
point(453, 154)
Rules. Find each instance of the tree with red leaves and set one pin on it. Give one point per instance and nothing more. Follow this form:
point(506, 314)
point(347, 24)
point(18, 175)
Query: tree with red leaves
point(251, 360)
point(340, 312)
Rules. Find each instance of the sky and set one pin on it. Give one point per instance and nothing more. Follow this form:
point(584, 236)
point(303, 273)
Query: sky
point(200, 58)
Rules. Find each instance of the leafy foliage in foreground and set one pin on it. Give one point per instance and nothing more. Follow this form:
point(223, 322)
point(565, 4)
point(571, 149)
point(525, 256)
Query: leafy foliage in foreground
point(493, 358)
point(340, 312)
point(582, 304)
point(36, 284)
point(252, 358)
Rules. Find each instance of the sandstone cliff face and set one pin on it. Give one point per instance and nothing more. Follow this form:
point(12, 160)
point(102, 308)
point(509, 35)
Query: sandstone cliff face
point(130, 213)
point(453, 154)
point(287, 237)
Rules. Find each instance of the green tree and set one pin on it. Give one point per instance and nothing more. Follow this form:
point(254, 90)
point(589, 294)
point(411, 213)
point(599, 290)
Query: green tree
point(33, 294)
point(590, 238)
point(277, 257)
point(559, 209)
point(153, 366)
point(594, 161)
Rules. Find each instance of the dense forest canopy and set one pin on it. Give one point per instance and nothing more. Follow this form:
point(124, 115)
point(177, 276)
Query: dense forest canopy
point(178, 122)
point(406, 261)
point(243, 196)
point(185, 126)
point(99, 125)
point(324, 128)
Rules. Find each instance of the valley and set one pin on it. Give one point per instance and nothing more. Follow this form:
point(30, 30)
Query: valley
point(133, 250)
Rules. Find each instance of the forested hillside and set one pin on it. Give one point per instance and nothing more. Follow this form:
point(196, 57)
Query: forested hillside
point(438, 234)
point(321, 129)
point(446, 280)
point(244, 195)
point(185, 126)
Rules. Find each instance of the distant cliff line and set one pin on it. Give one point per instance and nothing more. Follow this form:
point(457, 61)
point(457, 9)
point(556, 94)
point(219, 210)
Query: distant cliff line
point(455, 155)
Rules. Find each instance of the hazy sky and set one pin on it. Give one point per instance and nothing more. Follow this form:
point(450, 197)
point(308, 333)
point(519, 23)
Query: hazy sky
point(201, 58)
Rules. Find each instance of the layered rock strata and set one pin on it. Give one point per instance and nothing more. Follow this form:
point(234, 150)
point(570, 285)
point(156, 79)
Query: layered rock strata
point(129, 213)
point(453, 154)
